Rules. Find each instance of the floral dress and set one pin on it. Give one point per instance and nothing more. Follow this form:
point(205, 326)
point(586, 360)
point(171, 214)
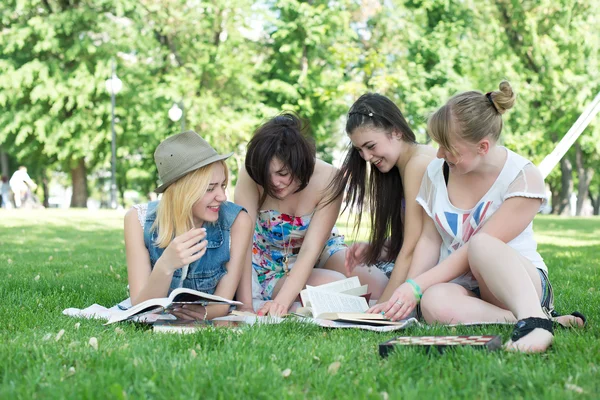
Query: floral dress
point(278, 236)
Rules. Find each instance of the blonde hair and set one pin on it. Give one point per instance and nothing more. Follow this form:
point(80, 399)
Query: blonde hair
point(472, 116)
point(174, 211)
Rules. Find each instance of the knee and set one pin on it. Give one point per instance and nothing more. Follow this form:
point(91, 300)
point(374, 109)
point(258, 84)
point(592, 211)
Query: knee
point(479, 249)
point(435, 304)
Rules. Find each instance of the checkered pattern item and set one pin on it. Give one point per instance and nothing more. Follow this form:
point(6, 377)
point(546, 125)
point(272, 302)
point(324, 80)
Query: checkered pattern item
point(442, 342)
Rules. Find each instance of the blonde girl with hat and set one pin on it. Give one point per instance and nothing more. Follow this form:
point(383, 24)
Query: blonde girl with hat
point(193, 237)
point(476, 259)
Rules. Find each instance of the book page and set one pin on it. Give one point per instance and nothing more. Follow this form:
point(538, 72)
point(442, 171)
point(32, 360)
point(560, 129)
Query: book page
point(338, 286)
point(185, 295)
point(147, 306)
point(323, 302)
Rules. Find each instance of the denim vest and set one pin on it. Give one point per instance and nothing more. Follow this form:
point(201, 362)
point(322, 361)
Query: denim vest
point(203, 274)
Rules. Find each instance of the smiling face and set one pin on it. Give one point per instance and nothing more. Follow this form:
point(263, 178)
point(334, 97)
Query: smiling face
point(206, 209)
point(281, 179)
point(377, 147)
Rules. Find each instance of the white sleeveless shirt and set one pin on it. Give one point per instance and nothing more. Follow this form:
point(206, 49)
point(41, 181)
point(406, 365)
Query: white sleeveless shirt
point(518, 178)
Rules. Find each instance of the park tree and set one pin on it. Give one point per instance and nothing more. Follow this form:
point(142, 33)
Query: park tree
point(55, 57)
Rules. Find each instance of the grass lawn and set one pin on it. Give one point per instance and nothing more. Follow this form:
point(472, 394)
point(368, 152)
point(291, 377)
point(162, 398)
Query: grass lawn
point(51, 259)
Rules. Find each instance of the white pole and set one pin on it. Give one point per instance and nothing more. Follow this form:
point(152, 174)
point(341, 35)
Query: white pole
point(550, 161)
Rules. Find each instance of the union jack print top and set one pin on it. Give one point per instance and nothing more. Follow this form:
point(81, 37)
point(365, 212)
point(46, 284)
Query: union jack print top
point(518, 178)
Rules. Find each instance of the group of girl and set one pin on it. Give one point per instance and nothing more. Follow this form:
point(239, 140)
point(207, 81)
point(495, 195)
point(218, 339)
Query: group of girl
point(451, 230)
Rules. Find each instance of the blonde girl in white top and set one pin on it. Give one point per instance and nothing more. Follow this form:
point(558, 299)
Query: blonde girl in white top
point(476, 259)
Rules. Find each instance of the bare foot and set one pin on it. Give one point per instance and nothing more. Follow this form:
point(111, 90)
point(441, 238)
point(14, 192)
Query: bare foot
point(536, 341)
point(569, 321)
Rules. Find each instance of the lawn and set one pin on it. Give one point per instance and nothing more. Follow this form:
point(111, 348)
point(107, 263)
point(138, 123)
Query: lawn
point(53, 259)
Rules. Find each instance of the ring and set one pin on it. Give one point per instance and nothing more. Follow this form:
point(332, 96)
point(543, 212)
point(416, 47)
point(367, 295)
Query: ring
point(400, 303)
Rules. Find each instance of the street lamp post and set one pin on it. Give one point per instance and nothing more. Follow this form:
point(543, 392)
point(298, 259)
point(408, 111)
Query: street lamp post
point(113, 85)
point(176, 113)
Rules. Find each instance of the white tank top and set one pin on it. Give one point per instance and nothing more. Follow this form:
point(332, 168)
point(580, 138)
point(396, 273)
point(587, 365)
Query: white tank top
point(518, 178)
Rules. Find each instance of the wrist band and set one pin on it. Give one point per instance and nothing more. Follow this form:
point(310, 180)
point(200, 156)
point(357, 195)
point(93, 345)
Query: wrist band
point(416, 288)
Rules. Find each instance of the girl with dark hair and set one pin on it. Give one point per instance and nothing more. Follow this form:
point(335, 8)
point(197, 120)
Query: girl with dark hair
point(283, 187)
point(382, 172)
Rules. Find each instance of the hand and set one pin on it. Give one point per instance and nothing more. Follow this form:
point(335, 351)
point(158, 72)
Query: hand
point(355, 256)
point(399, 306)
point(192, 312)
point(184, 249)
point(272, 308)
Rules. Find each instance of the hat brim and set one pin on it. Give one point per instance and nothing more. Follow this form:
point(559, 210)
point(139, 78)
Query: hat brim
point(203, 163)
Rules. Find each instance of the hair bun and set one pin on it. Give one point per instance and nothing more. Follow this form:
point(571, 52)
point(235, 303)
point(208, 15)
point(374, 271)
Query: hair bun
point(287, 119)
point(504, 99)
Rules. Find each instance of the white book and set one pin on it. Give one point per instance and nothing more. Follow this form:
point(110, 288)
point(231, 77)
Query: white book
point(177, 296)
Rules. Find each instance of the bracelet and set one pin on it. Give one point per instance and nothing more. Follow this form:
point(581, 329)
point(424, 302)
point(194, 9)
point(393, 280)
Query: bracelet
point(416, 288)
point(205, 313)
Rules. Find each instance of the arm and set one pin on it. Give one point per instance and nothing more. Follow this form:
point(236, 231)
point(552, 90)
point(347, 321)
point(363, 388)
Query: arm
point(147, 283)
point(318, 232)
point(413, 223)
point(241, 237)
point(246, 195)
point(426, 256)
point(513, 216)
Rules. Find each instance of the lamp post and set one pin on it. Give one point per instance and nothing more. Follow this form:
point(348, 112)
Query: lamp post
point(176, 113)
point(113, 85)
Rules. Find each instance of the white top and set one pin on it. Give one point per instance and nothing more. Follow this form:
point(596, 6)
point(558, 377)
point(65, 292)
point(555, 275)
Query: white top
point(19, 180)
point(518, 178)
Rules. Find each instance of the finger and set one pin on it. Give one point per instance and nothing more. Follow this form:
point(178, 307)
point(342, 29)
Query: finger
point(197, 234)
point(193, 312)
point(264, 309)
point(181, 315)
point(195, 249)
point(393, 310)
point(194, 257)
point(390, 303)
point(404, 311)
point(184, 237)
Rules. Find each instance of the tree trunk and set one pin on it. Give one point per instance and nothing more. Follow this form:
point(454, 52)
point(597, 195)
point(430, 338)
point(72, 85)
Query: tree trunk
point(585, 178)
point(595, 203)
point(45, 188)
point(80, 189)
point(566, 169)
point(4, 164)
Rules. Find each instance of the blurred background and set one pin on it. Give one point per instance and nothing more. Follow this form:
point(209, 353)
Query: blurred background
point(89, 88)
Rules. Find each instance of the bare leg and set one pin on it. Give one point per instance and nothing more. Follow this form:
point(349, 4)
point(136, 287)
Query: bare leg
point(508, 280)
point(372, 276)
point(450, 303)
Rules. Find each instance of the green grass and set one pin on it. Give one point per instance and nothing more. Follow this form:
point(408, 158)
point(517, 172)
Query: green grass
point(72, 253)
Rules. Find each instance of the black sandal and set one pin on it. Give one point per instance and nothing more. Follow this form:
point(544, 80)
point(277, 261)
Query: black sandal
point(575, 314)
point(524, 326)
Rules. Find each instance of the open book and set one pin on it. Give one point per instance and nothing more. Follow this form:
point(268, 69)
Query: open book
point(339, 301)
point(177, 296)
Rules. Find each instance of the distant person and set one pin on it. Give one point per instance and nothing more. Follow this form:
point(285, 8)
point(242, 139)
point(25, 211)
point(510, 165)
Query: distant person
point(5, 193)
point(22, 186)
point(192, 237)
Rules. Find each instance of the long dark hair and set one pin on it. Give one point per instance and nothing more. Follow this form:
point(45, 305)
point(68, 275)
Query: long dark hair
point(382, 192)
point(282, 137)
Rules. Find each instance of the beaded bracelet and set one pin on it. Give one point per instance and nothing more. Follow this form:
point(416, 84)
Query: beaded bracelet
point(416, 288)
